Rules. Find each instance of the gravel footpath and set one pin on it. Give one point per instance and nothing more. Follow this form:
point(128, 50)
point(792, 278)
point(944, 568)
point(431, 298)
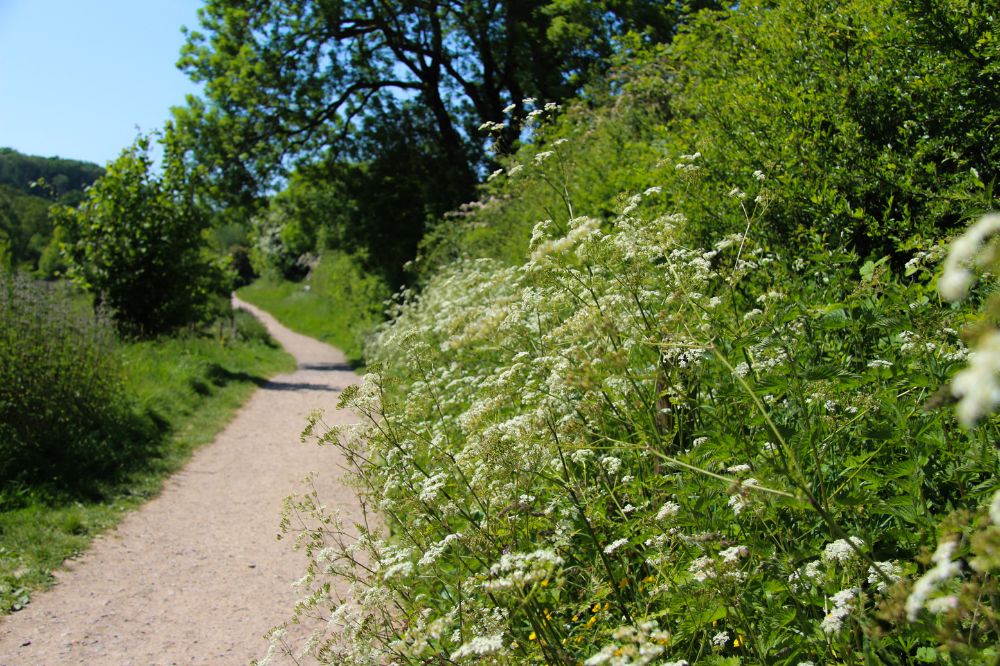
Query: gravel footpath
point(196, 575)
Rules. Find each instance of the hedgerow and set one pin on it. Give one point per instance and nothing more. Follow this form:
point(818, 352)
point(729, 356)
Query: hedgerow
point(875, 121)
point(680, 388)
point(629, 449)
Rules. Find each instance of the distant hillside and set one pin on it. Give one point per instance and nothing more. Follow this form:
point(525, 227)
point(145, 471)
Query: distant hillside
point(63, 176)
point(29, 185)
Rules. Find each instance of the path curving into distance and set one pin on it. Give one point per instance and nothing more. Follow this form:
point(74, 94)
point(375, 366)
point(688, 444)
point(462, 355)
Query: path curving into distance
point(196, 575)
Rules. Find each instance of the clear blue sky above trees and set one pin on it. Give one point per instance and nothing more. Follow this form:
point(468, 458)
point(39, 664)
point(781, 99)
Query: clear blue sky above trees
point(77, 78)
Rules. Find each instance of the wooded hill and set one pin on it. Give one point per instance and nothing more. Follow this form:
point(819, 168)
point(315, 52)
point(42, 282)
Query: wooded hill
point(29, 185)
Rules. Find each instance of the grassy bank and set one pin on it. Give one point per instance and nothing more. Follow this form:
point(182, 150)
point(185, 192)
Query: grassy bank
point(185, 389)
point(337, 303)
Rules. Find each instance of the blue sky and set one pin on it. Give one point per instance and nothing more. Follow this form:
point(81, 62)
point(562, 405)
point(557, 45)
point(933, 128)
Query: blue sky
point(77, 77)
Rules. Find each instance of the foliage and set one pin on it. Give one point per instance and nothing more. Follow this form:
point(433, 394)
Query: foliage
point(584, 156)
point(29, 185)
point(629, 449)
point(875, 122)
point(290, 77)
point(338, 302)
point(62, 179)
point(876, 125)
point(139, 245)
point(65, 418)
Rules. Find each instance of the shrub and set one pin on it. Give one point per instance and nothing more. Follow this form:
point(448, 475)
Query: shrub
point(139, 245)
point(65, 420)
point(874, 122)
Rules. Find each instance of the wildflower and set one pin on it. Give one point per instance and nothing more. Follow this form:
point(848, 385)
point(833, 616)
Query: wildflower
point(611, 464)
point(671, 509)
point(519, 569)
point(739, 501)
point(759, 175)
point(879, 363)
point(942, 604)
point(721, 639)
point(528, 101)
point(515, 169)
point(700, 568)
point(480, 646)
point(542, 156)
point(614, 545)
point(738, 469)
point(509, 108)
point(957, 278)
point(841, 550)
point(882, 570)
point(730, 555)
point(493, 175)
point(976, 386)
point(834, 619)
point(942, 570)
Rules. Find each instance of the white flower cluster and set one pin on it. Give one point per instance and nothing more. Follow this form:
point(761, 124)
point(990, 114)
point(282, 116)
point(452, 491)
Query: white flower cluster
point(944, 569)
point(882, 574)
point(479, 646)
point(966, 253)
point(842, 550)
point(839, 610)
point(517, 570)
point(644, 643)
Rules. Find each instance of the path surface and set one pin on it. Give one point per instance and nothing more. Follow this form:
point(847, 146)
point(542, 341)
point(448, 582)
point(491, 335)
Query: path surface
point(196, 575)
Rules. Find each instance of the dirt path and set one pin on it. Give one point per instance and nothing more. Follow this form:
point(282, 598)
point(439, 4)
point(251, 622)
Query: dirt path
point(196, 576)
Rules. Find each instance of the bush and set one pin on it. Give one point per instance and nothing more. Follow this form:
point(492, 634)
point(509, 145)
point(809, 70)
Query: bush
point(139, 245)
point(65, 420)
point(874, 125)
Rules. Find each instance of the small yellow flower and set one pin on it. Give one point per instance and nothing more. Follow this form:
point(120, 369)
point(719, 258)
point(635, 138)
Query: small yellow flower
point(545, 583)
point(532, 636)
point(738, 641)
point(596, 608)
point(591, 621)
point(576, 618)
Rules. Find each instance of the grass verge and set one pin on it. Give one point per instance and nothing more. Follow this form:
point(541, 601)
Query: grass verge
point(189, 387)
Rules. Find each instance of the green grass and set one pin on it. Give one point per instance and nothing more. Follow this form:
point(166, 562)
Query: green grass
point(338, 303)
point(190, 387)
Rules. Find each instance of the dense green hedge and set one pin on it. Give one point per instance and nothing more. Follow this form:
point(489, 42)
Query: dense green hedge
point(873, 125)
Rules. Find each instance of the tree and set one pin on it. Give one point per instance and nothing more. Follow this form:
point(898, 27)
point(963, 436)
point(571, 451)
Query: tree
point(139, 243)
point(287, 77)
